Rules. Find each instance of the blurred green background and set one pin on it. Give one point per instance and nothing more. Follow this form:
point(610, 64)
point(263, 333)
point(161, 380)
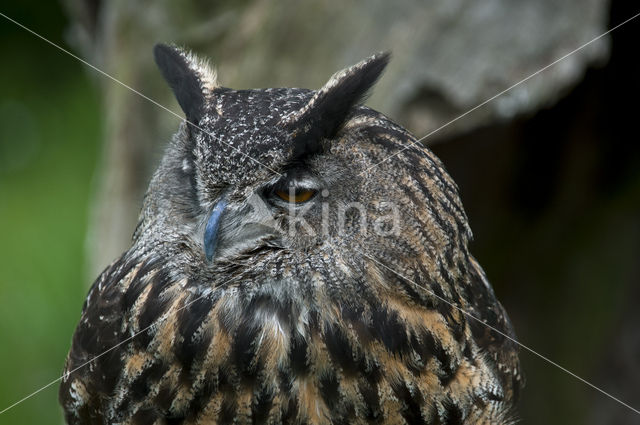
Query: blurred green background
point(49, 144)
point(553, 199)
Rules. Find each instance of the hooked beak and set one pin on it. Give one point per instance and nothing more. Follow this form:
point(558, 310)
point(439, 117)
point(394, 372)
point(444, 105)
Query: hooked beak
point(211, 230)
point(233, 229)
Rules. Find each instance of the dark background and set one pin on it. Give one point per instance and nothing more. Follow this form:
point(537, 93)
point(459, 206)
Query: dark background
point(554, 203)
point(553, 199)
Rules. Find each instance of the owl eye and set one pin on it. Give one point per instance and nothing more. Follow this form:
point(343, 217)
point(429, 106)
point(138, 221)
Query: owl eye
point(297, 195)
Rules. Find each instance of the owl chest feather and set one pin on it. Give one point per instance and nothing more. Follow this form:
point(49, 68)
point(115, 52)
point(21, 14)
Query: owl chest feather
point(223, 355)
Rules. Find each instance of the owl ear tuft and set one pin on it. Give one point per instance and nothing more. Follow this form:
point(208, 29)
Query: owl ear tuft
point(189, 77)
point(324, 114)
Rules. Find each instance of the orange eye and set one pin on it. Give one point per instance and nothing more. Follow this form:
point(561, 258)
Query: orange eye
point(299, 195)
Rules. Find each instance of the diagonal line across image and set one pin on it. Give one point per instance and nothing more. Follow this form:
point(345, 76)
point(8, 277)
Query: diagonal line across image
point(370, 168)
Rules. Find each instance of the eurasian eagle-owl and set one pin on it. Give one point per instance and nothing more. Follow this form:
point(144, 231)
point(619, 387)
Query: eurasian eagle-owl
point(297, 261)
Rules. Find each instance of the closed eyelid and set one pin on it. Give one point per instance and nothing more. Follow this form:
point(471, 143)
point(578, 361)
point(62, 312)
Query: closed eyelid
point(297, 183)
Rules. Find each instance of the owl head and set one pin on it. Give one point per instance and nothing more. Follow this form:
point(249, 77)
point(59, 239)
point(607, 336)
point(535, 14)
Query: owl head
point(296, 174)
point(298, 255)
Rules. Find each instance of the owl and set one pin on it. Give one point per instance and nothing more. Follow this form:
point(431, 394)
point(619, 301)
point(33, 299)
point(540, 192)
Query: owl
point(299, 259)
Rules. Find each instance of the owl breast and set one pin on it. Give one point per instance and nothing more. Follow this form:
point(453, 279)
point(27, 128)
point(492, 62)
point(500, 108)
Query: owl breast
point(288, 349)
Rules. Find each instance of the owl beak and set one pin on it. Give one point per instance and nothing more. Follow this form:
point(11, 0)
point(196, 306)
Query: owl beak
point(236, 228)
point(212, 228)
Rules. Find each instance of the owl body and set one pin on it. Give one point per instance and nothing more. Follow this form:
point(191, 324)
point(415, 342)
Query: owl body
point(276, 277)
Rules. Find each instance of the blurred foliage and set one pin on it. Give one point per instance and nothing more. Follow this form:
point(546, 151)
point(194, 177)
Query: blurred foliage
point(49, 142)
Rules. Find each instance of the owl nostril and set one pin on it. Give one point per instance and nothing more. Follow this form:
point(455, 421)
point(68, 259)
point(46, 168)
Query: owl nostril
point(211, 230)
